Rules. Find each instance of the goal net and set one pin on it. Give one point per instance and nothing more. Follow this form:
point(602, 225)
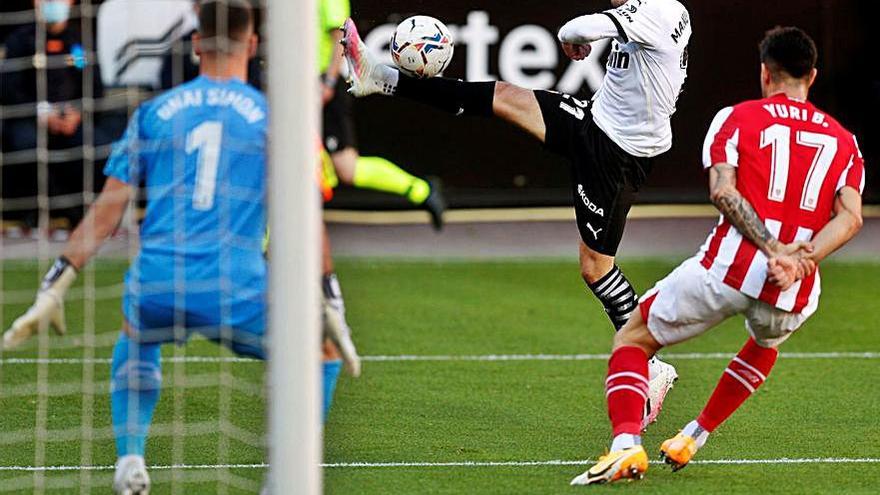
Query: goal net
point(70, 82)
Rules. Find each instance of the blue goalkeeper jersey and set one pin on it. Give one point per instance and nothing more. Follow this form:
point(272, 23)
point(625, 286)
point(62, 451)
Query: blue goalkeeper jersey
point(200, 152)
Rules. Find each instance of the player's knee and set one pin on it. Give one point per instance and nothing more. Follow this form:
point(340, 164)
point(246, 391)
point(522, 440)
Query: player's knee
point(136, 366)
point(622, 339)
point(137, 375)
point(594, 266)
point(503, 94)
point(345, 162)
point(635, 334)
point(507, 99)
point(589, 273)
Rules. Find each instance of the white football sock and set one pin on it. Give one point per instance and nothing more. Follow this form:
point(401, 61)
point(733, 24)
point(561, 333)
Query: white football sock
point(625, 441)
point(391, 76)
point(130, 458)
point(697, 432)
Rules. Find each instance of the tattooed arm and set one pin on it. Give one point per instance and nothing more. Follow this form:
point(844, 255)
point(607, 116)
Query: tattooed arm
point(788, 262)
point(738, 210)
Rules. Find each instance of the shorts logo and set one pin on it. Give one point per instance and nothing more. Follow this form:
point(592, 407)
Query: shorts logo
point(590, 205)
point(594, 231)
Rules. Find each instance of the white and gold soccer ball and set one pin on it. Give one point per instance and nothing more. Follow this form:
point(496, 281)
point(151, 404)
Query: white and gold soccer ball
point(422, 46)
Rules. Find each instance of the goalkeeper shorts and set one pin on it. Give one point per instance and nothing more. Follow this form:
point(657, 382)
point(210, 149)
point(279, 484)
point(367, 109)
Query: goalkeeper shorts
point(238, 323)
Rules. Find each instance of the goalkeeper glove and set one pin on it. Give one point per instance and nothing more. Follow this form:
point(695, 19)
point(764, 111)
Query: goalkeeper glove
point(335, 327)
point(48, 308)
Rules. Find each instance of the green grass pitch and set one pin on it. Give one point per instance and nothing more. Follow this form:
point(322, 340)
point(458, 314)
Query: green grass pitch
point(461, 411)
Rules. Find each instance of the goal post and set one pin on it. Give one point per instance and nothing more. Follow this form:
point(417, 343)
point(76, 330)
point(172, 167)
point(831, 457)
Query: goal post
point(294, 436)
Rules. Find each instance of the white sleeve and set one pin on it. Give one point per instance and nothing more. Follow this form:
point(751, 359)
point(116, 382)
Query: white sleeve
point(587, 29)
point(722, 141)
point(640, 22)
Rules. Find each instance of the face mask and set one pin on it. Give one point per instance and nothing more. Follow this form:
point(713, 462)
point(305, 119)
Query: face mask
point(55, 11)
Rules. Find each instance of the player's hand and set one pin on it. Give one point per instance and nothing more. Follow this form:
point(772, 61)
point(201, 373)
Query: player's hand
point(326, 94)
point(796, 248)
point(55, 123)
point(48, 307)
point(790, 263)
point(782, 271)
point(337, 330)
point(802, 252)
point(327, 88)
point(576, 52)
point(72, 120)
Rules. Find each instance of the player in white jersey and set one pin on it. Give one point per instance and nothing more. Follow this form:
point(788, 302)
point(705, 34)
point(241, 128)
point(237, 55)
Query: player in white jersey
point(645, 72)
point(610, 141)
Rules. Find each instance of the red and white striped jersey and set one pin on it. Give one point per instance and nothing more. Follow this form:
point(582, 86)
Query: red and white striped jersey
point(791, 159)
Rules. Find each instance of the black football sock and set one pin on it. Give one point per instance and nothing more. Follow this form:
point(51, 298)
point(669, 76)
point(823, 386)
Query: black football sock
point(616, 295)
point(450, 95)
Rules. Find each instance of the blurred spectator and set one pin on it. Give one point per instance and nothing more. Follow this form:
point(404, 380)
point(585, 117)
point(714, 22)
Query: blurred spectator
point(61, 112)
point(181, 64)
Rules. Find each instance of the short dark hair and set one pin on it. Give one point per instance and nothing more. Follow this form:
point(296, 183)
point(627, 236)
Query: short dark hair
point(789, 50)
point(230, 19)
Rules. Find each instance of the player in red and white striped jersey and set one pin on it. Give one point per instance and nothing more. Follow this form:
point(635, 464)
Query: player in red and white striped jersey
point(788, 180)
point(811, 158)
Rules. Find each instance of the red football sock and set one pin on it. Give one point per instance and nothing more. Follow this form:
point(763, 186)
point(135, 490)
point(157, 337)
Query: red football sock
point(626, 389)
point(743, 376)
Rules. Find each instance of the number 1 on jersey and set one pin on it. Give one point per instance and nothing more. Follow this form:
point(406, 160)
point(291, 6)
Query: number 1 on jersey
point(778, 137)
point(206, 140)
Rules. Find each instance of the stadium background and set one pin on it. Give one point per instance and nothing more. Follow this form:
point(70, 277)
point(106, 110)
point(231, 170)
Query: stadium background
point(489, 163)
point(485, 163)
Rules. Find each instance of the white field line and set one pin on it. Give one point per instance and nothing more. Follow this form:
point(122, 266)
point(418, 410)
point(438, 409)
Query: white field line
point(783, 460)
point(604, 357)
point(151, 468)
point(693, 356)
point(336, 465)
point(184, 359)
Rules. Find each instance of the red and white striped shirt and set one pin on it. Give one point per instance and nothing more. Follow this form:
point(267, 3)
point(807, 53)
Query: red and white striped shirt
point(791, 161)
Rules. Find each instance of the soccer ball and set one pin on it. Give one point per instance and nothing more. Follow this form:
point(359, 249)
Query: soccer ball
point(421, 46)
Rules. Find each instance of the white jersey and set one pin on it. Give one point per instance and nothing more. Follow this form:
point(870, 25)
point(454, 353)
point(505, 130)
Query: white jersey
point(645, 72)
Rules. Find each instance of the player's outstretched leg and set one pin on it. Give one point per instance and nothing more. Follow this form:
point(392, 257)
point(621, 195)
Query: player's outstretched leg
point(619, 298)
point(135, 382)
point(520, 107)
point(747, 371)
point(513, 104)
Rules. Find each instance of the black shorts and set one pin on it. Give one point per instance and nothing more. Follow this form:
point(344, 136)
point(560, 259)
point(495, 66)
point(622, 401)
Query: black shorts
point(605, 178)
point(338, 124)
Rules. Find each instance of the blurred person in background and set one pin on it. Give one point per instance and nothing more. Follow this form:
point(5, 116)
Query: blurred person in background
point(365, 172)
point(61, 112)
